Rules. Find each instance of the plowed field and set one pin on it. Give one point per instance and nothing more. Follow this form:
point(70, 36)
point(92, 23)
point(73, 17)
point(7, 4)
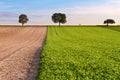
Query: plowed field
point(19, 52)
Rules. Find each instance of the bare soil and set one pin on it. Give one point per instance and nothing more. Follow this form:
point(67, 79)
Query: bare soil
point(20, 49)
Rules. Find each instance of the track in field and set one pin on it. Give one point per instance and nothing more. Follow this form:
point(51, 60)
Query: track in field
point(19, 52)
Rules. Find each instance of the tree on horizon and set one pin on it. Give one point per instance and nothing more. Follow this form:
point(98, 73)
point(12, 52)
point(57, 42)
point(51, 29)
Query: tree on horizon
point(109, 21)
point(23, 19)
point(59, 18)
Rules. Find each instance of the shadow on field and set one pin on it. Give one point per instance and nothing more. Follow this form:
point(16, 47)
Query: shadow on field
point(34, 66)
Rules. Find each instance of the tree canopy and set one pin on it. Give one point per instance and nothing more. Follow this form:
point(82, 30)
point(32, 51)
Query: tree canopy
point(23, 19)
point(59, 18)
point(109, 21)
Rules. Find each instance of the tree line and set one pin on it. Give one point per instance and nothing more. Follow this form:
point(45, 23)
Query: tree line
point(58, 18)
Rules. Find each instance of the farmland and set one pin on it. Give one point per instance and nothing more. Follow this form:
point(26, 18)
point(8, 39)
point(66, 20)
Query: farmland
point(19, 51)
point(81, 53)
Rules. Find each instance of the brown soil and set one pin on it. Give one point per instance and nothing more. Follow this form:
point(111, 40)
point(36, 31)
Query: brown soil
point(20, 49)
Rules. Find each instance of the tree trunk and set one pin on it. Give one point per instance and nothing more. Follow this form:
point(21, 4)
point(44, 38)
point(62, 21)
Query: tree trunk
point(22, 24)
point(59, 24)
point(107, 24)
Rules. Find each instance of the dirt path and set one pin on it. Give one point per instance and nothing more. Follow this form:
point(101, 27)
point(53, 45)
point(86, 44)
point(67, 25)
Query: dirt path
point(19, 52)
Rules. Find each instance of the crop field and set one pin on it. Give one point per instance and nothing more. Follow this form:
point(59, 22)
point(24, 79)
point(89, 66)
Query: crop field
point(114, 28)
point(81, 53)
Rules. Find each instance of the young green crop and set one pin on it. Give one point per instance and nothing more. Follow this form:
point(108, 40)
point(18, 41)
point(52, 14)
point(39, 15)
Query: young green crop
point(81, 53)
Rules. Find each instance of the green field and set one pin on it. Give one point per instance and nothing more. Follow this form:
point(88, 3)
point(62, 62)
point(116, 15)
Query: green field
point(81, 53)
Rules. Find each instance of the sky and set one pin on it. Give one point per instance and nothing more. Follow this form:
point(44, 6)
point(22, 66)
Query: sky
point(39, 12)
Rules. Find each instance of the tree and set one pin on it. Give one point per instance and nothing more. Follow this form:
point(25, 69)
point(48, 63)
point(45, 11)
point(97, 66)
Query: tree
point(109, 21)
point(23, 19)
point(59, 18)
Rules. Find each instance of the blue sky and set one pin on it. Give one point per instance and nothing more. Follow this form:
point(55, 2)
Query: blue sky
point(77, 11)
